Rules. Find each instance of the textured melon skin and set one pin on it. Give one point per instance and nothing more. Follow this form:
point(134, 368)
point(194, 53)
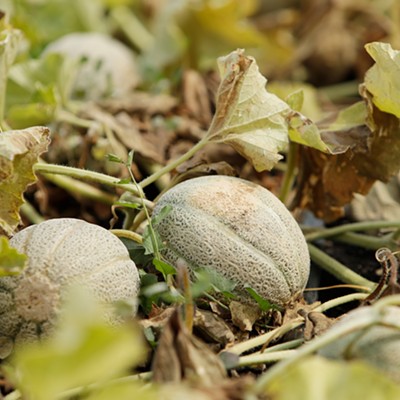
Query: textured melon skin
point(61, 252)
point(378, 346)
point(110, 67)
point(241, 230)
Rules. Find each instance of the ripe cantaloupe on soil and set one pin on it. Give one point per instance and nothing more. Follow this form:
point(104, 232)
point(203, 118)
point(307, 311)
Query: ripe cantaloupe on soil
point(240, 230)
point(61, 253)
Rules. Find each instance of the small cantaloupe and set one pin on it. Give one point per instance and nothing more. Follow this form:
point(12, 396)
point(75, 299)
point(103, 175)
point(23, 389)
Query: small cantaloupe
point(239, 229)
point(61, 253)
point(109, 69)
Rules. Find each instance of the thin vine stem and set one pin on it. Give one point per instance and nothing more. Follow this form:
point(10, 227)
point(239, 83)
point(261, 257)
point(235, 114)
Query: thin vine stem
point(124, 233)
point(353, 227)
point(87, 175)
point(367, 241)
point(376, 316)
point(263, 358)
point(337, 269)
point(173, 164)
point(262, 339)
point(262, 383)
point(78, 188)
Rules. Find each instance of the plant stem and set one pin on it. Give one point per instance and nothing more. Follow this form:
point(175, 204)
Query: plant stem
point(123, 233)
point(30, 213)
point(66, 116)
point(353, 227)
point(262, 358)
point(133, 28)
point(375, 316)
point(262, 339)
point(76, 187)
point(86, 175)
point(317, 343)
point(337, 269)
point(339, 301)
point(290, 174)
point(172, 165)
point(367, 241)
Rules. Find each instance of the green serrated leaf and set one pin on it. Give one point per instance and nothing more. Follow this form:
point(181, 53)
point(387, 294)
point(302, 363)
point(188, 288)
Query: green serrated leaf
point(264, 304)
point(382, 79)
point(218, 281)
point(295, 100)
point(11, 261)
point(161, 215)
point(163, 267)
point(19, 151)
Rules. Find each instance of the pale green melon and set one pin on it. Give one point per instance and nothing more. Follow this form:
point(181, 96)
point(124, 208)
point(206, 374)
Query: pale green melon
point(62, 253)
point(239, 229)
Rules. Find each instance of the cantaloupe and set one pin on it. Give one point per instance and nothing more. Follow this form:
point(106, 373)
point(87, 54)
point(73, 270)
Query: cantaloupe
point(240, 230)
point(62, 253)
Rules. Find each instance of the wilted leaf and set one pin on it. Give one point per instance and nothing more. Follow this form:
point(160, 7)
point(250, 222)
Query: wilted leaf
point(19, 150)
point(381, 80)
point(83, 350)
point(328, 182)
point(247, 116)
point(11, 261)
point(213, 328)
point(316, 378)
point(244, 315)
point(257, 123)
point(181, 356)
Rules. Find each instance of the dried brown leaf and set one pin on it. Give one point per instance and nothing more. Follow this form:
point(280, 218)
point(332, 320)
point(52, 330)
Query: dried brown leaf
point(180, 356)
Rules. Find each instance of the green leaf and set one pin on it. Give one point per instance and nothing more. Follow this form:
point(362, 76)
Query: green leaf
point(128, 204)
point(218, 281)
point(161, 215)
point(163, 267)
point(123, 389)
point(19, 151)
point(316, 378)
point(382, 79)
point(36, 87)
point(115, 158)
point(10, 40)
point(11, 261)
point(264, 304)
point(257, 123)
point(83, 350)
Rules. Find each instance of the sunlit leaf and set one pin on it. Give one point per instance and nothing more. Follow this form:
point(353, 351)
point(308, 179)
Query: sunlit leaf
point(382, 79)
point(19, 151)
point(316, 378)
point(257, 123)
point(35, 88)
point(83, 350)
point(11, 261)
point(247, 116)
